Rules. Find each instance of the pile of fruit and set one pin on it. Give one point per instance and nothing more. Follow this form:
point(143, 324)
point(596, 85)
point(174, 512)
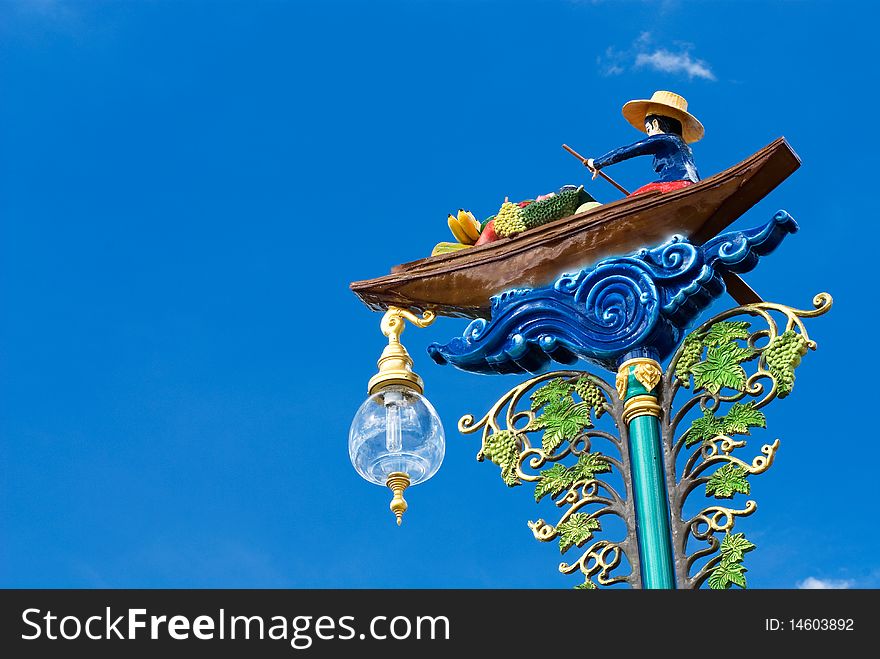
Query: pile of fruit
point(514, 218)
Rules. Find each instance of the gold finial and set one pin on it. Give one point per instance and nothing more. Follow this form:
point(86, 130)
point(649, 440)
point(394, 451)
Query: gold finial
point(395, 364)
point(398, 481)
point(645, 370)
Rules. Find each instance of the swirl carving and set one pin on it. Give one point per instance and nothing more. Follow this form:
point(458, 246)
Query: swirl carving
point(599, 314)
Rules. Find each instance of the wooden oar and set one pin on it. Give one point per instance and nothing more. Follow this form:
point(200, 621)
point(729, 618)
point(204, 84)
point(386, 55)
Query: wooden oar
point(598, 171)
point(738, 289)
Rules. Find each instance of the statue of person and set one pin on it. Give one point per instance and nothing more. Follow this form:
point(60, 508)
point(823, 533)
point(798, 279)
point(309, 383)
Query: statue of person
point(670, 128)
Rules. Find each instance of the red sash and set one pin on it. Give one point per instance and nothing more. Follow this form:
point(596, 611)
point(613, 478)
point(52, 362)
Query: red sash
point(662, 186)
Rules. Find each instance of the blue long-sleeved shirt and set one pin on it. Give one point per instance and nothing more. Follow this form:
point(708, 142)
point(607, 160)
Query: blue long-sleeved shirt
point(673, 158)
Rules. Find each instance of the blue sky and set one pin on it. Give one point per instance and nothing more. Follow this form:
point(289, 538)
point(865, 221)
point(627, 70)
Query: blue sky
point(187, 188)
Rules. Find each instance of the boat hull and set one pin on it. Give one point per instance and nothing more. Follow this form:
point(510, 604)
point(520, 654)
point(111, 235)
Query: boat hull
point(460, 284)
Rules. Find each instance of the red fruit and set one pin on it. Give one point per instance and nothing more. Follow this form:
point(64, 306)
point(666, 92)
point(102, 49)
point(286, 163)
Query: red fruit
point(488, 235)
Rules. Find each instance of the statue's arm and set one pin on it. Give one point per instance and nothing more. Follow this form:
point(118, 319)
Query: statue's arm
point(648, 146)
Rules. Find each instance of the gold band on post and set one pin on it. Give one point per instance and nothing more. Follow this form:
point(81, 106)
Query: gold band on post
point(644, 405)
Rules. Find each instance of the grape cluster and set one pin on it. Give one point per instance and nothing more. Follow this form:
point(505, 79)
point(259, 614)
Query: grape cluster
point(783, 354)
point(690, 355)
point(560, 205)
point(591, 395)
point(500, 446)
point(509, 220)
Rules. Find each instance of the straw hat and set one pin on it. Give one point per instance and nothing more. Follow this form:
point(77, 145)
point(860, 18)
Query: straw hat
point(666, 104)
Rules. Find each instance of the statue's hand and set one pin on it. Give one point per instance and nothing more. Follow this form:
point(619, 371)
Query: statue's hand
point(592, 167)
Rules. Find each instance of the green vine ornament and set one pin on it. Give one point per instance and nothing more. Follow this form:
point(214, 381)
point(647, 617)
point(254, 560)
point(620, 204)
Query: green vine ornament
point(734, 365)
point(542, 432)
point(549, 444)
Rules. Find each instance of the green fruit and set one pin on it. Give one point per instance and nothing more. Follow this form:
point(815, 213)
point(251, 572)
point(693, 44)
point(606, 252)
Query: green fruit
point(560, 205)
point(447, 248)
point(583, 208)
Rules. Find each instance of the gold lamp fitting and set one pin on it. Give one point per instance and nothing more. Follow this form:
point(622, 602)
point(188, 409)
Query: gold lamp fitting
point(398, 481)
point(395, 364)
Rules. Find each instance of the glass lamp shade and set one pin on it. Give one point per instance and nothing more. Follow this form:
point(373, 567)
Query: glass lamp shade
point(396, 430)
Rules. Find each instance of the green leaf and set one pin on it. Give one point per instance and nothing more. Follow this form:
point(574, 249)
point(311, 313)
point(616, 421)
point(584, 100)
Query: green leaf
point(727, 572)
point(538, 423)
point(587, 466)
point(735, 575)
point(552, 391)
point(727, 480)
point(503, 448)
point(576, 530)
point(553, 481)
point(704, 428)
point(742, 416)
point(557, 478)
point(554, 408)
point(587, 585)
point(739, 418)
point(727, 331)
point(558, 406)
point(722, 368)
point(730, 571)
point(564, 423)
point(718, 580)
point(734, 546)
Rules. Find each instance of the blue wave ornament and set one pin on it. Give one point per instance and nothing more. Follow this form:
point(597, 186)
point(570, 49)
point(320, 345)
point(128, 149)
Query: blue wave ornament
point(642, 302)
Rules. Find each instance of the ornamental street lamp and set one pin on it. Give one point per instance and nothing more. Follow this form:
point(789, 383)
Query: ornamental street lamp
point(673, 427)
point(396, 437)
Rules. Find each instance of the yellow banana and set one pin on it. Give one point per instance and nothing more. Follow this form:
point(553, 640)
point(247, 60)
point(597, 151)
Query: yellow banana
point(458, 232)
point(469, 224)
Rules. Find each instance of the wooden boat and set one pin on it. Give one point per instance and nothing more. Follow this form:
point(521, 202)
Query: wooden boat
point(461, 283)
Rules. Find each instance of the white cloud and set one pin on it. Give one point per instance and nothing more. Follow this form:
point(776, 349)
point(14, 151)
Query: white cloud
point(668, 62)
point(641, 54)
point(812, 583)
point(610, 69)
point(612, 63)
